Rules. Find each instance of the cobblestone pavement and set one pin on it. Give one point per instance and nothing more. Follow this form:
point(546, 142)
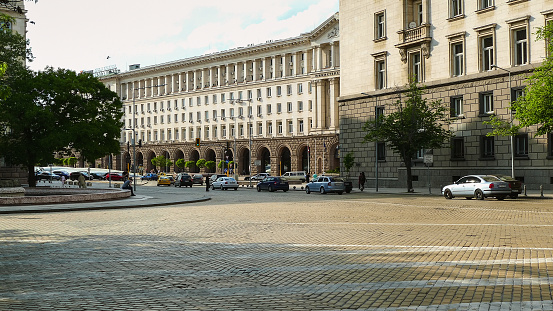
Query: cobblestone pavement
point(245, 250)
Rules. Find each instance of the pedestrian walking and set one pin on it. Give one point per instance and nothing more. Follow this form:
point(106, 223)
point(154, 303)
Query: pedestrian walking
point(207, 180)
point(81, 181)
point(63, 181)
point(362, 180)
point(127, 186)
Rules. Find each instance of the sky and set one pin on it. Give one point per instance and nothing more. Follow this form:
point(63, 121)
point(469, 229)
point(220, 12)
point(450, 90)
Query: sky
point(89, 34)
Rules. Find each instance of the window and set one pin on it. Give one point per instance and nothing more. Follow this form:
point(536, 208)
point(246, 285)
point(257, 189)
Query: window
point(260, 128)
point(484, 4)
point(190, 119)
point(231, 95)
point(269, 92)
point(521, 145)
point(300, 88)
point(380, 75)
point(240, 95)
point(457, 59)
point(415, 66)
point(289, 107)
point(290, 126)
point(300, 106)
point(279, 91)
point(206, 132)
point(214, 114)
point(269, 108)
point(214, 132)
point(250, 111)
point(486, 103)
point(259, 110)
point(520, 47)
point(250, 94)
point(223, 115)
point(232, 131)
point(224, 131)
point(300, 126)
point(456, 8)
point(458, 148)
point(214, 98)
point(223, 97)
point(190, 103)
point(487, 147)
point(269, 128)
point(259, 93)
point(279, 125)
point(289, 89)
point(232, 112)
point(198, 100)
point(241, 130)
point(206, 100)
point(487, 53)
point(198, 116)
point(240, 111)
point(379, 25)
point(279, 107)
point(457, 106)
point(381, 151)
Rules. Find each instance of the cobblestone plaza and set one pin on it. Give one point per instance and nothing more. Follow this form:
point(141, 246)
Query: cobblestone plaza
point(245, 250)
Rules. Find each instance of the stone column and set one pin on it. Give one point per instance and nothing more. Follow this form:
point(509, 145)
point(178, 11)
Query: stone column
point(286, 66)
point(255, 72)
point(333, 103)
point(274, 66)
point(332, 55)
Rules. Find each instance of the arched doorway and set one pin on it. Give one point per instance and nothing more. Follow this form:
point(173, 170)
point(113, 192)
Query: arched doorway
point(265, 158)
point(334, 161)
point(229, 157)
point(166, 168)
point(210, 156)
point(149, 166)
point(303, 163)
point(194, 156)
point(285, 161)
point(179, 155)
point(244, 166)
point(140, 162)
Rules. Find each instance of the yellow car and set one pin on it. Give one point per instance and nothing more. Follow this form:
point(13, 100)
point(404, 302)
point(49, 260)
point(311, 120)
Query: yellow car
point(164, 181)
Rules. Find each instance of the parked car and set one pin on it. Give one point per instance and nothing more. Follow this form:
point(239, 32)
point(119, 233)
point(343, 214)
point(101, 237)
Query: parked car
point(516, 185)
point(183, 179)
point(62, 173)
point(114, 176)
point(299, 175)
point(46, 175)
point(75, 175)
point(198, 179)
point(326, 184)
point(150, 176)
point(98, 175)
point(259, 176)
point(164, 181)
point(224, 183)
point(273, 184)
point(477, 186)
point(214, 177)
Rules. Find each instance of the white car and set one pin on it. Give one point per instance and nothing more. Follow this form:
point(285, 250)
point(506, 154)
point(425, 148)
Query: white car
point(479, 187)
point(224, 183)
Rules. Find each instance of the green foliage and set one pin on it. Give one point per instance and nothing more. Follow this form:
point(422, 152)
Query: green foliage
point(413, 126)
point(161, 161)
point(349, 160)
point(72, 161)
point(180, 163)
point(200, 163)
point(334, 171)
point(189, 164)
point(210, 165)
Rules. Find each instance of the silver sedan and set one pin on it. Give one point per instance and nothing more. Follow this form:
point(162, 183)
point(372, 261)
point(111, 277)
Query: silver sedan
point(224, 183)
point(326, 184)
point(479, 187)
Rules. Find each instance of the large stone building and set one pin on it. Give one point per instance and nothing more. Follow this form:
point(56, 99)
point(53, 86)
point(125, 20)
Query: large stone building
point(473, 55)
point(15, 9)
point(275, 101)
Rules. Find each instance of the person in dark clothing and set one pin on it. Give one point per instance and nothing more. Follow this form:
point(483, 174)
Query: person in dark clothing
point(207, 180)
point(127, 185)
point(362, 180)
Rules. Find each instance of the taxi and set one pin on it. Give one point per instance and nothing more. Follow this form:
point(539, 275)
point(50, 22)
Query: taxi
point(164, 181)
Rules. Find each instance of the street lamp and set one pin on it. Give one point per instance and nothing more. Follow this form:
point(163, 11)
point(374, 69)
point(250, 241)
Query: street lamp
point(241, 101)
point(376, 142)
point(134, 155)
point(511, 121)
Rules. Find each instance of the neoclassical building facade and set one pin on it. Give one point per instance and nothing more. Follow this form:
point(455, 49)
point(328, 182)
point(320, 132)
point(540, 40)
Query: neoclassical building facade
point(474, 56)
point(268, 107)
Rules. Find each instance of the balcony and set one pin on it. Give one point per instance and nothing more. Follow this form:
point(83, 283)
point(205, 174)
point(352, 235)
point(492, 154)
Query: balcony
point(413, 37)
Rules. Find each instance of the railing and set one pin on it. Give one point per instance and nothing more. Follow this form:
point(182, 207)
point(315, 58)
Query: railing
point(414, 34)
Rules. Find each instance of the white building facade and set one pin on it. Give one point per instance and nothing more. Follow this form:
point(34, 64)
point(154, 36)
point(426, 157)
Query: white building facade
point(472, 55)
point(268, 107)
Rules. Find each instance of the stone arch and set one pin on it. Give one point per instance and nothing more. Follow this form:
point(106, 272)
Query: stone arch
point(194, 156)
point(302, 163)
point(179, 154)
point(264, 155)
point(244, 158)
point(334, 156)
point(140, 162)
point(149, 166)
point(210, 155)
point(284, 160)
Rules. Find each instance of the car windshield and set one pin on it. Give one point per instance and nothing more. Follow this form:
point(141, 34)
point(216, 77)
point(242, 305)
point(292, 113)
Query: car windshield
point(490, 178)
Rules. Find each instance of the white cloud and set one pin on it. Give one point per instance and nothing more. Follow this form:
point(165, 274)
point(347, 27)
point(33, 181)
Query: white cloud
point(80, 34)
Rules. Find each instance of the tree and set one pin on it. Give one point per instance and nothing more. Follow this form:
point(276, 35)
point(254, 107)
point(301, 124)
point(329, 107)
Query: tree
point(210, 165)
point(200, 163)
point(349, 160)
point(189, 164)
point(180, 163)
point(411, 127)
point(161, 161)
point(536, 106)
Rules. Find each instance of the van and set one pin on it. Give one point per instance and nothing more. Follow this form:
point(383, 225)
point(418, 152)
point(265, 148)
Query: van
point(299, 175)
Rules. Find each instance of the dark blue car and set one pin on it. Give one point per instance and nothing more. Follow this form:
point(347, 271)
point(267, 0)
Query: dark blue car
point(273, 183)
point(150, 176)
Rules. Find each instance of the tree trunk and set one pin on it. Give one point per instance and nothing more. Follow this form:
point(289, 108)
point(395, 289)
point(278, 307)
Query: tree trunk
point(31, 179)
point(408, 163)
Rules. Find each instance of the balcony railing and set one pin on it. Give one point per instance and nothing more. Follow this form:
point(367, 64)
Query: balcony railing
point(414, 34)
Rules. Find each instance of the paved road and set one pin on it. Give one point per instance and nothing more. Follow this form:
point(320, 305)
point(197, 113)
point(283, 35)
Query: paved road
point(244, 250)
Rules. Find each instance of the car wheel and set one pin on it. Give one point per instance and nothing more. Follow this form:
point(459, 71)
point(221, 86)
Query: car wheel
point(258, 189)
point(307, 190)
point(340, 192)
point(501, 197)
point(212, 187)
point(478, 194)
point(348, 191)
point(222, 187)
point(447, 194)
point(270, 189)
point(285, 190)
point(322, 190)
point(513, 196)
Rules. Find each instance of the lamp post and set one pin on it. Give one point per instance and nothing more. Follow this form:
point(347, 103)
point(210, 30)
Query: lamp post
point(134, 156)
point(376, 142)
point(241, 101)
point(511, 121)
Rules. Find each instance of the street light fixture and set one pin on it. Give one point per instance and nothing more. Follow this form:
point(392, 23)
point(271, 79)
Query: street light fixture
point(241, 101)
point(511, 121)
